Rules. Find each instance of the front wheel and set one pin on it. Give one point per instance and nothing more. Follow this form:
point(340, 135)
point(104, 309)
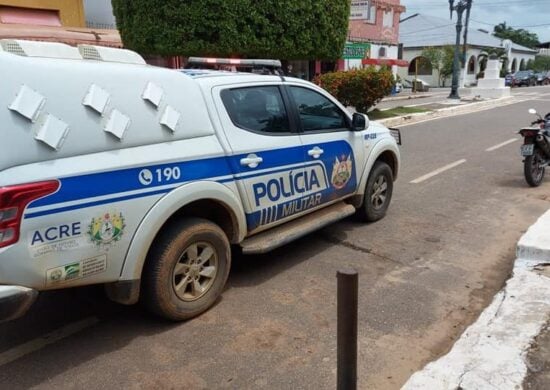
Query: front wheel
point(533, 168)
point(186, 269)
point(378, 193)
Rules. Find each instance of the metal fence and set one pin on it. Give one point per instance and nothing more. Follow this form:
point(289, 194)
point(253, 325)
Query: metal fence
point(105, 26)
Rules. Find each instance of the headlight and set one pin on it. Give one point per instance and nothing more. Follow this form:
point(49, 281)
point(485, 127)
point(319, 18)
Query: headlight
point(395, 133)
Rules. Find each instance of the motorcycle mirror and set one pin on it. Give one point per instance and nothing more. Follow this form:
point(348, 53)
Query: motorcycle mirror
point(532, 111)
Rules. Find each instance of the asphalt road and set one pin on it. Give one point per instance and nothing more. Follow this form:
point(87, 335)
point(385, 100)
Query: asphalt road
point(426, 271)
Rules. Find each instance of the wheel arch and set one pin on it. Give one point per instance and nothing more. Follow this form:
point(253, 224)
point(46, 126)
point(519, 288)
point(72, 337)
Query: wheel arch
point(209, 200)
point(384, 151)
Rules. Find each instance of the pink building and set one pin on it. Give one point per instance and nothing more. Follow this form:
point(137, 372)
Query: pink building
point(375, 24)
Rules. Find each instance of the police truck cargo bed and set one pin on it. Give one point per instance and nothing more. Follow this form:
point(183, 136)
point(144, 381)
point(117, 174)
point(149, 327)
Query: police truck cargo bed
point(140, 178)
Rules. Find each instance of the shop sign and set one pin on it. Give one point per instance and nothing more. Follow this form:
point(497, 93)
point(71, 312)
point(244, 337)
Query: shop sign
point(356, 51)
point(359, 9)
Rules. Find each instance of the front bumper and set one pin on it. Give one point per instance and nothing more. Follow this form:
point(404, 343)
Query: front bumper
point(15, 301)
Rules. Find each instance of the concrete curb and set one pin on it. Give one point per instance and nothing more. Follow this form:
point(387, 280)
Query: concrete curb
point(491, 352)
point(407, 97)
point(446, 112)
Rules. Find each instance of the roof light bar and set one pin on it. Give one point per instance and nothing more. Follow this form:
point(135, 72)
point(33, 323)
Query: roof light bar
point(234, 61)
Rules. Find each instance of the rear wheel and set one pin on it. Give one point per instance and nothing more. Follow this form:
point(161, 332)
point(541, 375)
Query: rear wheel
point(534, 168)
point(186, 269)
point(378, 193)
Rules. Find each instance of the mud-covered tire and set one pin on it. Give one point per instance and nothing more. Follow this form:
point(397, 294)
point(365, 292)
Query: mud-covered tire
point(379, 184)
point(186, 269)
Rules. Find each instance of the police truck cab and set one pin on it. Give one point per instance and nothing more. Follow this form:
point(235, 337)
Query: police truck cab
point(142, 179)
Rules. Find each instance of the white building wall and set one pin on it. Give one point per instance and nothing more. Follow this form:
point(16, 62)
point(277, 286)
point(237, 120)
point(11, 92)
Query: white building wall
point(468, 79)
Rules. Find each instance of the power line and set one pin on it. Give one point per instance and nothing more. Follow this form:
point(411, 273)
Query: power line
point(477, 3)
point(494, 25)
point(429, 29)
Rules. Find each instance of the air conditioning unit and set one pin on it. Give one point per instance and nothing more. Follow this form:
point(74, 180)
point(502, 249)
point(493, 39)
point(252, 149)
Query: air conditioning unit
point(39, 49)
point(108, 54)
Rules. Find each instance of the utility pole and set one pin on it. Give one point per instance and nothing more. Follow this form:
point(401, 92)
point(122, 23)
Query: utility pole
point(459, 8)
point(466, 25)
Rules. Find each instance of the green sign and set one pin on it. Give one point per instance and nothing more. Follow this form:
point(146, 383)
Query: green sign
point(356, 51)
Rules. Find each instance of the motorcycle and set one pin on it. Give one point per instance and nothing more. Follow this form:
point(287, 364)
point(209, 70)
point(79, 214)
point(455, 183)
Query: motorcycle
point(536, 149)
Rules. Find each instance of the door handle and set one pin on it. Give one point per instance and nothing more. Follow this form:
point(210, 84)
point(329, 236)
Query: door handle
point(315, 152)
point(251, 161)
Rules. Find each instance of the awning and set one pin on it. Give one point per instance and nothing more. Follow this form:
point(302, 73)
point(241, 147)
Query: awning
point(69, 35)
point(385, 61)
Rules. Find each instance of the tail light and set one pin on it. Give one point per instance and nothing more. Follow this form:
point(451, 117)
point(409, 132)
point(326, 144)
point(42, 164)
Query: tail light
point(13, 201)
point(529, 133)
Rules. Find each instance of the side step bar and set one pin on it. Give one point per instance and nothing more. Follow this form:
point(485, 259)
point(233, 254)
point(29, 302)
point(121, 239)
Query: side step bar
point(290, 231)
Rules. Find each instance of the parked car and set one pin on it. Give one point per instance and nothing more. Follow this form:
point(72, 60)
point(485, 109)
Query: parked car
point(546, 80)
point(524, 78)
point(541, 76)
point(509, 80)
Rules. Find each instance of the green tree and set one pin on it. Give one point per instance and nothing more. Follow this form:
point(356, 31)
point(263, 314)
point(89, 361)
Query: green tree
point(540, 64)
point(496, 53)
point(520, 36)
point(289, 29)
point(441, 59)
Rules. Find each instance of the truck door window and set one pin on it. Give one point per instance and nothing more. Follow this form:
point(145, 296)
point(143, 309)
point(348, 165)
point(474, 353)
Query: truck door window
point(316, 111)
point(259, 109)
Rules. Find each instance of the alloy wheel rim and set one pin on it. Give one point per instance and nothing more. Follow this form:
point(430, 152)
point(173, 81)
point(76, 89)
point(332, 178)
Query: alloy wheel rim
point(195, 271)
point(379, 192)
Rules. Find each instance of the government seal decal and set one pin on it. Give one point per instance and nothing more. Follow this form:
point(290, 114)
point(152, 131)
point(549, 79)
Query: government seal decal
point(106, 229)
point(341, 171)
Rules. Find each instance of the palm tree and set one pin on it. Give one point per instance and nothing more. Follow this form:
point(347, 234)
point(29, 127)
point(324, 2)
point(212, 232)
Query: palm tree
point(493, 53)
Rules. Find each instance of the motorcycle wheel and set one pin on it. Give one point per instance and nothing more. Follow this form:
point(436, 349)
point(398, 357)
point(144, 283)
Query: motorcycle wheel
point(533, 169)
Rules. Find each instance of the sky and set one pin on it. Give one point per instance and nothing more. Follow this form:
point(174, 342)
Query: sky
point(531, 15)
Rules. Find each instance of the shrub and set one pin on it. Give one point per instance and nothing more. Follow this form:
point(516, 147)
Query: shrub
point(285, 29)
point(359, 88)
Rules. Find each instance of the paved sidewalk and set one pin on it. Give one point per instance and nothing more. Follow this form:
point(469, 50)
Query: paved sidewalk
point(407, 93)
point(538, 362)
point(449, 109)
point(492, 352)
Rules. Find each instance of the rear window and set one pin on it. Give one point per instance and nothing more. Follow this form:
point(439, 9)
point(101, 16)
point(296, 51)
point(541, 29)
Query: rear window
point(259, 109)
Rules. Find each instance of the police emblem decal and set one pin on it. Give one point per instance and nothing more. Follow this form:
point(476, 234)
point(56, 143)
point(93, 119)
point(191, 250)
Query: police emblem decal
point(341, 171)
point(106, 229)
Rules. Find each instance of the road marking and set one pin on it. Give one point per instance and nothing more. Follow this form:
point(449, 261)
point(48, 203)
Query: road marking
point(437, 172)
point(34, 345)
point(493, 148)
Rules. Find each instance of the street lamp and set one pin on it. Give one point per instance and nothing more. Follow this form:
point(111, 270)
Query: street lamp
point(459, 8)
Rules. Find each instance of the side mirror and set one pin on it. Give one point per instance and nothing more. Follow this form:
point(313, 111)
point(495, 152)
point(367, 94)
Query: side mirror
point(360, 122)
point(534, 112)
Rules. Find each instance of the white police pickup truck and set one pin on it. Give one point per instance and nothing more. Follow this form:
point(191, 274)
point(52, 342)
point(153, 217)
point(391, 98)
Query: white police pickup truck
point(141, 178)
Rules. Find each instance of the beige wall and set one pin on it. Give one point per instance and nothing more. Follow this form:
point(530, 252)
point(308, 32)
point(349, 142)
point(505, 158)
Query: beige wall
point(71, 12)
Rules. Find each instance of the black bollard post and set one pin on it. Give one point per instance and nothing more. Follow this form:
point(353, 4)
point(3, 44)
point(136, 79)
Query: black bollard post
point(347, 329)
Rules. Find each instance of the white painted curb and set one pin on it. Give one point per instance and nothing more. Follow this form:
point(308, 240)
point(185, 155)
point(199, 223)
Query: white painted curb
point(491, 352)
